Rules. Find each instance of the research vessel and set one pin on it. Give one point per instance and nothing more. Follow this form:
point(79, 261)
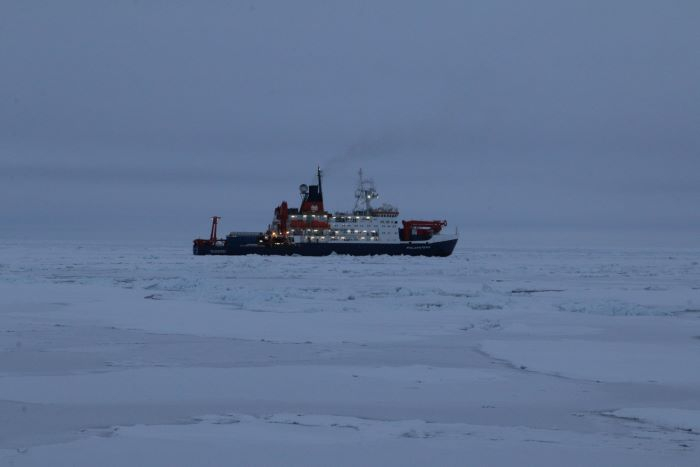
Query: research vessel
point(310, 230)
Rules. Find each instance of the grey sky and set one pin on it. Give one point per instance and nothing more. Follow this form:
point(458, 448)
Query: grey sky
point(149, 116)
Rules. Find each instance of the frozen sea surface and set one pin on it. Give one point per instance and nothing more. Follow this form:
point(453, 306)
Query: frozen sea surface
point(137, 355)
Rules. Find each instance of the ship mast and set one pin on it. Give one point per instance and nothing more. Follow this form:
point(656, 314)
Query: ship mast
point(364, 194)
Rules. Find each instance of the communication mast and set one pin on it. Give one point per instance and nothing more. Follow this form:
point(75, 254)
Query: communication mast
point(364, 194)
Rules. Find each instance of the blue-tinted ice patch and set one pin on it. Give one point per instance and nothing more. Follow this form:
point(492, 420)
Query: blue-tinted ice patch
point(616, 308)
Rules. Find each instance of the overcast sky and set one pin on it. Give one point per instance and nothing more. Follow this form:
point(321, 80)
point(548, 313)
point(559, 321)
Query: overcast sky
point(143, 118)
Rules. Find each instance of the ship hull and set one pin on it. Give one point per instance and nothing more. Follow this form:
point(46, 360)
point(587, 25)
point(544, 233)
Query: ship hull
point(436, 248)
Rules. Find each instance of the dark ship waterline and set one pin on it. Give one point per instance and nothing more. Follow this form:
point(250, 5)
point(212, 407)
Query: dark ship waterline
point(312, 231)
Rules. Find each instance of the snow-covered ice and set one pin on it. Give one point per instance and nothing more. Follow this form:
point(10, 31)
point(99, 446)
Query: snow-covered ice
point(146, 355)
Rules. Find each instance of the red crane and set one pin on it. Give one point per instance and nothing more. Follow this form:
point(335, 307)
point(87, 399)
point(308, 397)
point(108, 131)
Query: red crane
point(214, 224)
